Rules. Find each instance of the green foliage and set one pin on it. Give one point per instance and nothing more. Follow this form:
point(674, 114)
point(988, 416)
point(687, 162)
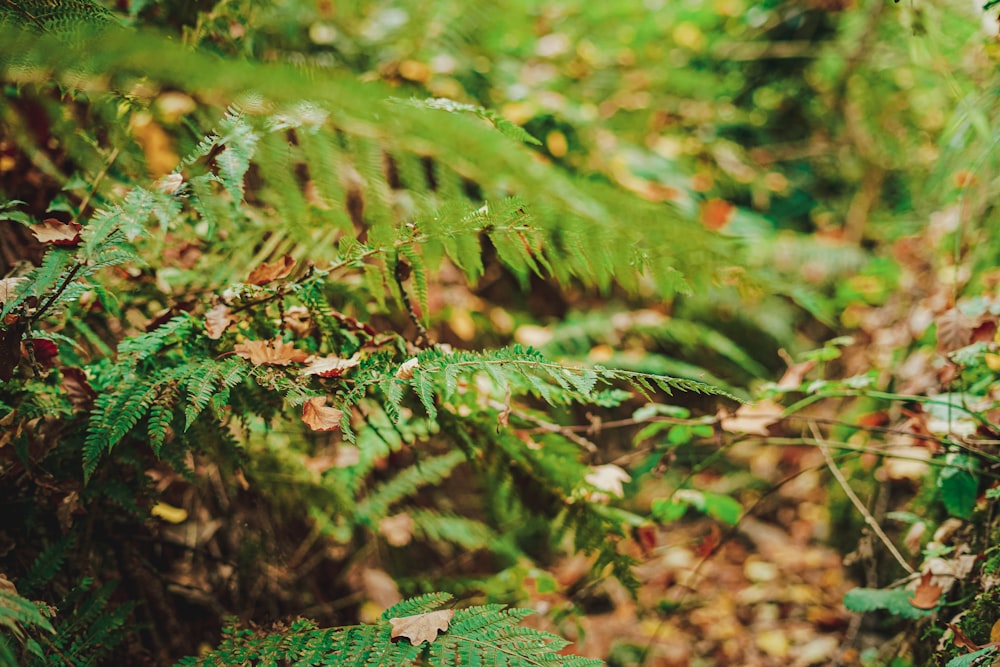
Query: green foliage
point(479, 635)
point(895, 601)
point(187, 357)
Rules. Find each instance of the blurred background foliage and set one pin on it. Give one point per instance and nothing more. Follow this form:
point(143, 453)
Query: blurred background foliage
point(842, 153)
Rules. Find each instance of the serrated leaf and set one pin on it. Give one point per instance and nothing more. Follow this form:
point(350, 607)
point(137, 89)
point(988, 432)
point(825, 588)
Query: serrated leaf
point(895, 601)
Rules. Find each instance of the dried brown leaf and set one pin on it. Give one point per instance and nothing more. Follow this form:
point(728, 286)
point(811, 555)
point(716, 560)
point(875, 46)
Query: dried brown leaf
point(51, 230)
point(609, 478)
point(926, 595)
point(319, 417)
point(78, 390)
point(422, 627)
point(331, 366)
point(271, 352)
point(217, 320)
point(405, 370)
point(277, 270)
point(8, 288)
point(751, 419)
point(961, 639)
point(954, 330)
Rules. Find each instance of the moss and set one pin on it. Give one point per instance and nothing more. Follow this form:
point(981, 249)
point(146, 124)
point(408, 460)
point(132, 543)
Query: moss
point(980, 617)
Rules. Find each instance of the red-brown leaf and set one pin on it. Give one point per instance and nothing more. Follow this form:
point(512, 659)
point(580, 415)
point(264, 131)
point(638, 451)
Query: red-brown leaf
point(266, 273)
point(926, 595)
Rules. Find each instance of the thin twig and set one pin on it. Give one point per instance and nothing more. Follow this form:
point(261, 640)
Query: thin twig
point(860, 506)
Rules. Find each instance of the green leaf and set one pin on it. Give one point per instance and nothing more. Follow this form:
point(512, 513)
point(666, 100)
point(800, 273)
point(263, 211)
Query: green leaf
point(972, 658)
point(722, 507)
point(895, 601)
point(959, 485)
point(668, 510)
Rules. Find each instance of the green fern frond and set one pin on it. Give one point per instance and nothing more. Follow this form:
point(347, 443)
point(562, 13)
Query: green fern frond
point(428, 471)
point(54, 17)
point(16, 612)
point(240, 141)
point(485, 635)
point(148, 344)
point(444, 527)
point(43, 281)
point(418, 605)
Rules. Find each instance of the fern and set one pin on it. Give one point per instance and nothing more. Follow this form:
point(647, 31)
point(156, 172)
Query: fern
point(430, 471)
point(480, 635)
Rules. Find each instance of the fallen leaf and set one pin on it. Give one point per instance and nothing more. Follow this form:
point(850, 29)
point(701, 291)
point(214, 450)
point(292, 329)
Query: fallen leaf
point(795, 374)
point(751, 419)
point(78, 390)
point(8, 288)
point(277, 270)
point(926, 595)
point(271, 352)
point(217, 320)
point(405, 370)
point(379, 587)
point(298, 321)
point(45, 351)
point(995, 632)
point(422, 627)
point(609, 478)
point(169, 513)
point(954, 330)
point(51, 230)
point(319, 417)
point(330, 367)
point(170, 183)
point(959, 638)
point(397, 530)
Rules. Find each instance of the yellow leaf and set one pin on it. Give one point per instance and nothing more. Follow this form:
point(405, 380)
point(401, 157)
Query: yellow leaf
point(422, 627)
point(995, 632)
point(169, 513)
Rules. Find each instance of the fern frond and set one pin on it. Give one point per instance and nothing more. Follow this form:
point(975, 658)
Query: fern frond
point(240, 141)
point(428, 471)
point(418, 605)
point(486, 635)
point(43, 281)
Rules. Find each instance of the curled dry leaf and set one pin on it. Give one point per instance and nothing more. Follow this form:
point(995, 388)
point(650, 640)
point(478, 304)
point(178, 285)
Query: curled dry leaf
point(217, 320)
point(405, 371)
point(422, 627)
point(926, 595)
point(266, 273)
point(271, 352)
point(331, 366)
point(51, 230)
point(319, 417)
